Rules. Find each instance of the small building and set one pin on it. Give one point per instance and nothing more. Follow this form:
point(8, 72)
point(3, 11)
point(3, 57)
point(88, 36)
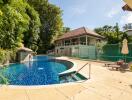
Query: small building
point(24, 54)
point(80, 42)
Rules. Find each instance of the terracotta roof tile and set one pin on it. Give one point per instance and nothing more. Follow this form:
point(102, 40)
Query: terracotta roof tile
point(79, 32)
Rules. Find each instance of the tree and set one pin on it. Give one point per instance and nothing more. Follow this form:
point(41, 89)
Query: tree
point(66, 29)
point(51, 21)
point(16, 18)
point(111, 33)
point(31, 36)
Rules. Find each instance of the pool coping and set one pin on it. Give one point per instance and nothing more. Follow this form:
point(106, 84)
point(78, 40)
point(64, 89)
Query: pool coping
point(73, 68)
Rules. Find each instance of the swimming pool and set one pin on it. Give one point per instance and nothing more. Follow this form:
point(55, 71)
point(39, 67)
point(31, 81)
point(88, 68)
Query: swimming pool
point(43, 70)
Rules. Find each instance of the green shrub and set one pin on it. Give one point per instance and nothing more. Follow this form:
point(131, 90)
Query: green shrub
point(7, 55)
point(13, 55)
point(3, 80)
point(4, 56)
point(130, 67)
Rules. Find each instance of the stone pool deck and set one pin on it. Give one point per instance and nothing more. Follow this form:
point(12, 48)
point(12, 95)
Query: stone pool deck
point(103, 85)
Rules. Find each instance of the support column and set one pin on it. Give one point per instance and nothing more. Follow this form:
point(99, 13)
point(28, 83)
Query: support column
point(64, 43)
point(61, 43)
point(70, 41)
point(86, 40)
point(78, 40)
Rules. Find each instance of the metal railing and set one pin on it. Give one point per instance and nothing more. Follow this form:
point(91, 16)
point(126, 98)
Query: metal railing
point(82, 68)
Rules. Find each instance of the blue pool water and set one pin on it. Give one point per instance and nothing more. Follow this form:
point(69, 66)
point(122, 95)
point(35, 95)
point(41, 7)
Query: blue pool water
point(41, 71)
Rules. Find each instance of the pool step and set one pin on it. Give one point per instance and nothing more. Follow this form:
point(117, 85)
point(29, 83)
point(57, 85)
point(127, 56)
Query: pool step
point(76, 77)
point(70, 78)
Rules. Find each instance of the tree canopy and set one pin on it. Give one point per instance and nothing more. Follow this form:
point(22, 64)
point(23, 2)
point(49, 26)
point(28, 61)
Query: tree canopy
point(35, 23)
point(16, 19)
point(111, 33)
point(66, 29)
point(51, 23)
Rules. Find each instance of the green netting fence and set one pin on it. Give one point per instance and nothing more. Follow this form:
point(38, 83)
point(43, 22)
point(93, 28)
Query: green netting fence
point(108, 52)
point(112, 52)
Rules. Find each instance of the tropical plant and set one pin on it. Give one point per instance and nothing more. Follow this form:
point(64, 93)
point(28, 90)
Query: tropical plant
point(35, 23)
point(111, 33)
point(16, 19)
point(4, 56)
point(51, 23)
point(3, 80)
point(66, 29)
point(31, 36)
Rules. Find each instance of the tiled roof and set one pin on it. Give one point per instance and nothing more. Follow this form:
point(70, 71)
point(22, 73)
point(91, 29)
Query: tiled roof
point(79, 32)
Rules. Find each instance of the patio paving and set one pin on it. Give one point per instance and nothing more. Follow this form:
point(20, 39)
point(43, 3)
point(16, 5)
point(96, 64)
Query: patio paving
point(103, 85)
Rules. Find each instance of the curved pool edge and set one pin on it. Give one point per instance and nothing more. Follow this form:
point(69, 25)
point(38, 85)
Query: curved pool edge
point(69, 70)
point(73, 68)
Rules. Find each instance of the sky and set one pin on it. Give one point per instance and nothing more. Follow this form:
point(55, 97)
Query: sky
point(93, 13)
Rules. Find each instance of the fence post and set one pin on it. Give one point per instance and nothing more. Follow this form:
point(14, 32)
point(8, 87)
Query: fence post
point(89, 71)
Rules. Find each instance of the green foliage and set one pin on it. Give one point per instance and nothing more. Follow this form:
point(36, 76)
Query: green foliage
point(112, 33)
point(66, 29)
point(4, 56)
point(3, 80)
point(1, 1)
point(31, 36)
point(12, 55)
point(13, 23)
point(35, 23)
point(99, 46)
point(17, 20)
point(7, 55)
point(130, 66)
point(51, 21)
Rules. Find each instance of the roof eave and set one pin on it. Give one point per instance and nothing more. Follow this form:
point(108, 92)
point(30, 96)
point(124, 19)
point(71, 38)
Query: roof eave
point(129, 3)
point(101, 37)
point(126, 8)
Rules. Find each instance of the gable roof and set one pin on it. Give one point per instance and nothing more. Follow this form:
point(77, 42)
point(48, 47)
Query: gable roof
point(79, 32)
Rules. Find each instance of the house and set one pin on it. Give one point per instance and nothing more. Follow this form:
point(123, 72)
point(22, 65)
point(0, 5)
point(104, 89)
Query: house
point(80, 42)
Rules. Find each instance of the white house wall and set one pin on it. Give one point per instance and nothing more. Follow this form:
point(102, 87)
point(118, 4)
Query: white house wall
point(82, 51)
point(87, 52)
point(75, 51)
point(92, 41)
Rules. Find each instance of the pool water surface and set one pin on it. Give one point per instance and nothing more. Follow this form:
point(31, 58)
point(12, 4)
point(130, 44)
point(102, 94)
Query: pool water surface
point(40, 71)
